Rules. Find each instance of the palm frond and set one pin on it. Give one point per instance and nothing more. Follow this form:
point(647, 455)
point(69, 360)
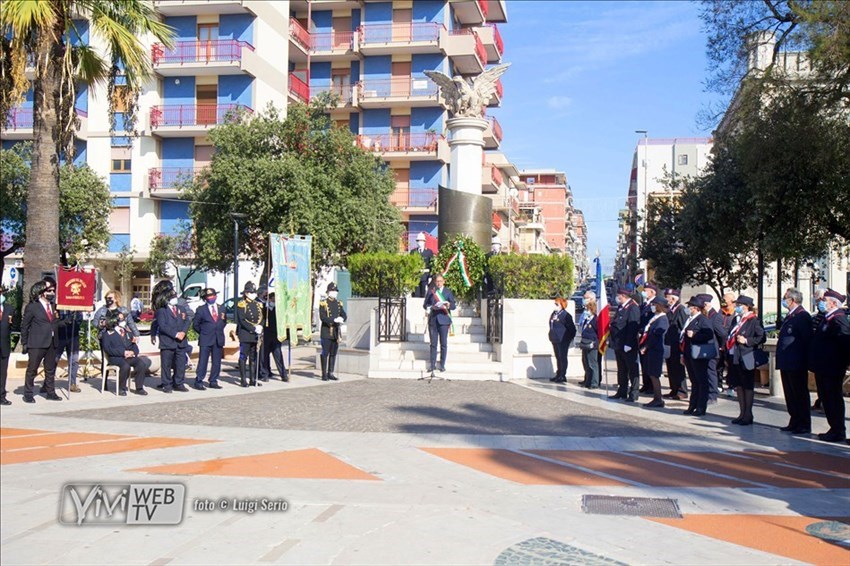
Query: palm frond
point(89, 66)
point(23, 17)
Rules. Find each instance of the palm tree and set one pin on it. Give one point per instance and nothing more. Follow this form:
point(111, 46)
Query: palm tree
point(44, 34)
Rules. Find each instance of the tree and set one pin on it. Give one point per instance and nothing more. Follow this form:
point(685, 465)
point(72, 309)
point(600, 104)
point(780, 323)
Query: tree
point(46, 33)
point(84, 206)
point(296, 175)
point(171, 252)
point(124, 269)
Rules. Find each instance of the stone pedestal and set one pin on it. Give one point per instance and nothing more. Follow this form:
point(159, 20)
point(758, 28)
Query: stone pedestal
point(466, 140)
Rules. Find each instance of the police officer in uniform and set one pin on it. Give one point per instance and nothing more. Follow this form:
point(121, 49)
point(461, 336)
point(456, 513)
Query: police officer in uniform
point(249, 323)
point(332, 314)
point(272, 347)
point(427, 256)
point(676, 317)
point(647, 311)
point(829, 357)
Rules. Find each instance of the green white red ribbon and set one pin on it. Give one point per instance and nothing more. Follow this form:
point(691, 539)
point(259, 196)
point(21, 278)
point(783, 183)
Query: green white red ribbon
point(460, 258)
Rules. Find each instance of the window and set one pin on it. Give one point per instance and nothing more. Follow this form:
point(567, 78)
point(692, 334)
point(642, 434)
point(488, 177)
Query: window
point(122, 165)
point(683, 160)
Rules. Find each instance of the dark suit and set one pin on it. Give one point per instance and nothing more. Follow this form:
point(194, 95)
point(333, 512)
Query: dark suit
point(562, 331)
point(40, 336)
point(716, 323)
point(272, 348)
point(6, 315)
point(792, 361)
point(590, 350)
point(742, 372)
point(723, 325)
point(329, 310)
point(210, 340)
point(624, 339)
point(114, 345)
point(703, 333)
point(249, 315)
point(439, 322)
point(653, 343)
point(676, 317)
point(829, 356)
point(646, 313)
point(172, 351)
point(427, 257)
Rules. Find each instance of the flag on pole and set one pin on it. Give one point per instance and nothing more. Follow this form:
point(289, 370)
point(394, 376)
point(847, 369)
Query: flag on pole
point(603, 316)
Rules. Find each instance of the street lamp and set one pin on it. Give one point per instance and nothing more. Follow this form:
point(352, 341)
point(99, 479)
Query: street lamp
point(236, 216)
point(512, 193)
point(645, 194)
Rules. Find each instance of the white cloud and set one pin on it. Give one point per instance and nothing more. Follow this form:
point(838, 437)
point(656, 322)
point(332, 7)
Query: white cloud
point(559, 102)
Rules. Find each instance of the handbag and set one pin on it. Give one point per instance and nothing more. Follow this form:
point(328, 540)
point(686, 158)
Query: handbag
point(704, 351)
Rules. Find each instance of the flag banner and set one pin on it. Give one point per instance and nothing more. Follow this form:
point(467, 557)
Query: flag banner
point(603, 314)
point(290, 273)
point(75, 289)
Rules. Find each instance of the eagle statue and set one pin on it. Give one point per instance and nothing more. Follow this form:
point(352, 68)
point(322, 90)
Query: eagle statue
point(467, 98)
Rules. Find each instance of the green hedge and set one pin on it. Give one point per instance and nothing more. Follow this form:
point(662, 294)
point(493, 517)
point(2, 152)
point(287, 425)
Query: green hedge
point(475, 261)
point(533, 276)
point(384, 274)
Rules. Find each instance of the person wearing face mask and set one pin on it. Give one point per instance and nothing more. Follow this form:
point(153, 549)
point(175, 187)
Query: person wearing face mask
point(653, 349)
point(647, 311)
point(589, 344)
point(562, 331)
point(173, 321)
point(6, 317)
point(112, 305)
point(720, 335)
point(209, 323)
point(697, 347)
point(40, 338)
point(829, 358)
point(624, 340)
point(427, 257)
point(439, 303)
point(746, 335)
point(723, 324)
point(332, 315)
point(272, 346)
point(792, 351)
point(249, 322)
point(121, 351)
point(676, 317)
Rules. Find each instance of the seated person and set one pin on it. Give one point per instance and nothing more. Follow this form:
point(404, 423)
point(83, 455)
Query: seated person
point(121, 351)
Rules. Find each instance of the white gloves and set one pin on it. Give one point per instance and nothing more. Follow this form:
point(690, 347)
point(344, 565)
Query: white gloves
point(339, 320)
point(258, 329)
point(627, 348)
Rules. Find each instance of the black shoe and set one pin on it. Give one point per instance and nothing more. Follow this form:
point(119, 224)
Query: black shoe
point(654, 403)
point(43, 389)
point(645, 389)
point(160, 386)
point(745, 422)
point(788, 428)
point(333, 378)
point(689, 411)
point(199, 386)
point(831, 437)
point(140, 392)
point(699, 413)
point(53, 397)
point(164, 390)
point(28, 399)
point(257, 384)
point(616, 396)
point(181, 388)
point(671, 396)
point(214, 386)
point(802, 430)
point(5, 402)
point(285, 378)
point(630, 399)
point(264, 379)
point(441, 369)
point(324, 378)
point(122, 393)
point(553, 379)
point(737, 420)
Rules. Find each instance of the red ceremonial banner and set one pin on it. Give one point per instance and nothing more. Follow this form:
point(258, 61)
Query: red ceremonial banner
point(75, 289)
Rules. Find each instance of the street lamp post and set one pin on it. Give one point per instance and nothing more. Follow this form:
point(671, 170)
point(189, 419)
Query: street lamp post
point(236, 216)
point(642, 231)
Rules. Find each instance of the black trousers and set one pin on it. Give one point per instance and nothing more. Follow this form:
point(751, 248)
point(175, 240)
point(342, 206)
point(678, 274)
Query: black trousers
point(676, 372)
point(700, 384)
point(36, 356)
point(173, 368)
point(329, 347)
point(627, 372)
point(832, 399)
point(438, 332)
point(713, 379)
point(795, 385)
point(272, 349)
point(4, 371)
point(561, 352)
point(207, 352)
point(139, 365)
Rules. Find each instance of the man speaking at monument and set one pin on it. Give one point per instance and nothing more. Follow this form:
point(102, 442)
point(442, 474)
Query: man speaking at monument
point(439, 303)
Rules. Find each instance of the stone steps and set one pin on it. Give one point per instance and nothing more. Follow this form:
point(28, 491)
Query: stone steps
point(451, 374)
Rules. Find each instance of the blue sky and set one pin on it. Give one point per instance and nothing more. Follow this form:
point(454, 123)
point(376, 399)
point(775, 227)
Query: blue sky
point(584, 77)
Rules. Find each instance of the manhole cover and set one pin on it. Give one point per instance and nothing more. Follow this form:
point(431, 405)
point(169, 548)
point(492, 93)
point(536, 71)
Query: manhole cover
point(635, 506)
point(831, 530)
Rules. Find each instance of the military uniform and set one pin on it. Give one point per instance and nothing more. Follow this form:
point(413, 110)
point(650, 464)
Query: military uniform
point(329, 311)
point(249, 315)
point(427, 257)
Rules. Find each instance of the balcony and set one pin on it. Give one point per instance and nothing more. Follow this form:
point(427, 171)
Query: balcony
point(412, 91)
point(199, 7)
point(334, 45)
point(470, 12)
point(19, 124)
point(497, 221)
point(466, 50)
point(496, 99)
point(390, 39)
point(493, 134)
point(491, 180)
point(423, 146)
point(167, 181)
point(298, 89)
point(415, 200)
point(299, 41)
point(345, 92)
point(191, 120)
point(496, 12)
point(493, 44)
point(199, 58)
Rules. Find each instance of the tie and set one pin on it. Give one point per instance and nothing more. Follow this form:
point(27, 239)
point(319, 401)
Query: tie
point(174, 311)
point(215, 314)
point(49, 313)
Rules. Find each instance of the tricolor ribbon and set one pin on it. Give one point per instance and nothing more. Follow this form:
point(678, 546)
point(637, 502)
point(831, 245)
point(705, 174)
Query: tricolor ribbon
point(460, 258)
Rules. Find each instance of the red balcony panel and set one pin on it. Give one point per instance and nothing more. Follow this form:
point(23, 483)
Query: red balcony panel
point(497, 175)
point(194, 52)
point(480, 51)
point(298, 88)
point(397, 86)
point(167, 178)
point(332, 41)
point(500, 90)
point(496, 127)
point(497, 36)
point(484, 7)
point(20, 118)
point(400, 33)
point(497, 221)
point(299, 34)
point(183, 115)
point(399, 142)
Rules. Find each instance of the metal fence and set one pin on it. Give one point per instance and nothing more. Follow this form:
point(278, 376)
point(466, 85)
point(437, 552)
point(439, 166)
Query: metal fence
point(494, 318)
point(392, 319)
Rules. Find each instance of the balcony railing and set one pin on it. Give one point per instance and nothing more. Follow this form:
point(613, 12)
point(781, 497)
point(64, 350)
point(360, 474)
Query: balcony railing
point(299, 88)
point(400, 33)
point(484, 7)
point(399, 142)
point(342, 91)
point(497, 221)
point(480, 50)
point(397, 86)
point(497, 175)
point(299, 34)
point(500, 90)
point(332, 41)
point(185, 115)
point(168, 178)
point(192, 52)
point(19, 119)
point(496, 127)
point(414, 198)
point(497, 36)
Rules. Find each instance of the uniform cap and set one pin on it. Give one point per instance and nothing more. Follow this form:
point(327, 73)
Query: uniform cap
point(332, 287)
point(249, 287)
point(834, 295)
point(676, 292)
point(652, 286)
point(420, 237)
point(208, 292)
point(697, 302)
point(496, 240)
point(659, 301)
point(706, 298)
point(624, 291)
point(744, 300)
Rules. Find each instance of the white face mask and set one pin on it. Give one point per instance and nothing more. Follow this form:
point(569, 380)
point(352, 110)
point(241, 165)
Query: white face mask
point(173, 301)
point(271, 306)
point(333, 294)
point(420, 246)
point(251, 296)
point(557, 307)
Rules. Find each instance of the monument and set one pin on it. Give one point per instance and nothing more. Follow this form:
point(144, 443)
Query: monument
point(463, 209)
